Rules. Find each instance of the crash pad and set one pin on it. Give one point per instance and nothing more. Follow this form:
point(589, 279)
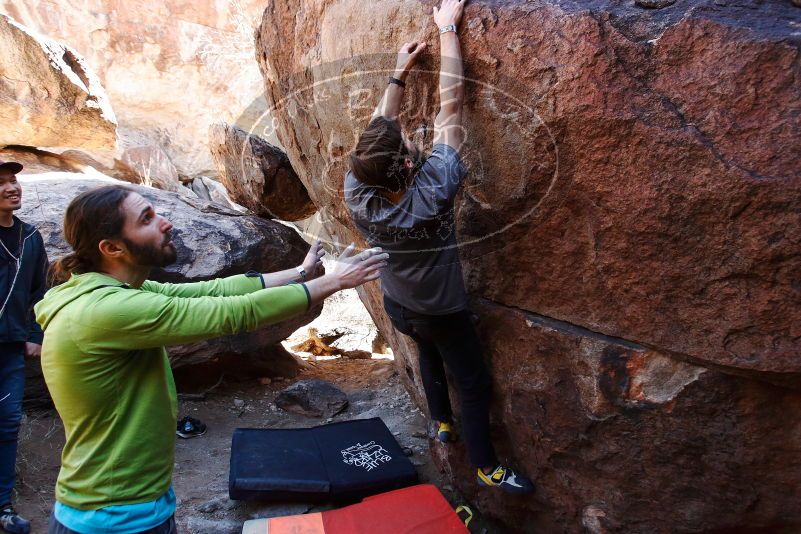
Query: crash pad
point(417, 509)
point(341, 462)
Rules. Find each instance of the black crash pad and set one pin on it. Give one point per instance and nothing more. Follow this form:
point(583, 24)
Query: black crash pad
point(344, 461)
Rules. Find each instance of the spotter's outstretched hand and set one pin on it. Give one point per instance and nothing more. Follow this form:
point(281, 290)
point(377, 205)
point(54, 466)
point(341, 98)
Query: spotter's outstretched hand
point(313, 262)
point(353, 270)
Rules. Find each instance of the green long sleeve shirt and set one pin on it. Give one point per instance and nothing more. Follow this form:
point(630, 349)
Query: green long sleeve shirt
point(106, 367)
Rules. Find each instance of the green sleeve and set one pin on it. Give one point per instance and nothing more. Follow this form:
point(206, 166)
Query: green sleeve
point(221, 287)
point(130, 319)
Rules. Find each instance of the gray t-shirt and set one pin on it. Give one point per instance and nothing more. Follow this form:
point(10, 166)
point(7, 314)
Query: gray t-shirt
point(419, 233)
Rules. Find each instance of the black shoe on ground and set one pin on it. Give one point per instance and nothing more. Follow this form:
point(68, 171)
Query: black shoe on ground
point(189, 427)
point(11, 522)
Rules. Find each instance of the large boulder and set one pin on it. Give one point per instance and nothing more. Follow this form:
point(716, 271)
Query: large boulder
point(212, 241)
point(258, 175)
point(49, 96)
point(629, 233)
point(170, 68)
point(213, 191)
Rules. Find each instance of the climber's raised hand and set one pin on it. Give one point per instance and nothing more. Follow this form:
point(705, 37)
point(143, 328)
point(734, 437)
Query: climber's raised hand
point(407, 58)
point(448, 122)
point(450, 12)
point(389, 106)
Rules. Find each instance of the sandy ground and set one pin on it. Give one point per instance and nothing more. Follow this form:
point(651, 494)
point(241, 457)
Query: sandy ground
point(343, 312)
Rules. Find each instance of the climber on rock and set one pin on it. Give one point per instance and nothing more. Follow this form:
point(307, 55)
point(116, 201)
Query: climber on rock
point(405, 203)
point(104, 361)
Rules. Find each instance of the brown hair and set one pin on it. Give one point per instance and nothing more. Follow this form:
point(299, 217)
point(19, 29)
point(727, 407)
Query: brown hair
point(378, 157)
point(91, 217)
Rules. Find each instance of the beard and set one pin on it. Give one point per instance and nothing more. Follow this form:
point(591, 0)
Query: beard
point(418, 158)
point(152, 255)
point(415, 154)
point(402, 175)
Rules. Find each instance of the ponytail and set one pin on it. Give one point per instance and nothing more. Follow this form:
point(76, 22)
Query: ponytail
point(90, 218)
point(61, 269)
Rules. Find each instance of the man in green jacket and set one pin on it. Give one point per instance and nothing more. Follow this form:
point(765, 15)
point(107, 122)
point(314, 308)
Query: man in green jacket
point(104, 361)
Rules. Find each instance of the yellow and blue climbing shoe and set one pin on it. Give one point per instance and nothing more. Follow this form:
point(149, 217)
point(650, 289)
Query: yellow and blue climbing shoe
point(506, 479)
point(445, 432)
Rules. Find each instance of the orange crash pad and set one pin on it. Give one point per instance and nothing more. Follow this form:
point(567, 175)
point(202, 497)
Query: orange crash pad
point(415, 510)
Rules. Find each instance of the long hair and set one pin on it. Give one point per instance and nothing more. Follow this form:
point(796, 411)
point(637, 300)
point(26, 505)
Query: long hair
point(91, 217)
point(379, 155)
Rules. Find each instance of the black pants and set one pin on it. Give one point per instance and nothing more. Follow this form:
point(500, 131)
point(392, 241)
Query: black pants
point(452, 339)
point(168, 527)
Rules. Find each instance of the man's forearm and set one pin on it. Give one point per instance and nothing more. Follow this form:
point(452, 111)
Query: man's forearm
point(281, 278)
point(451, 72)
point(390, 104)
point(322, 287)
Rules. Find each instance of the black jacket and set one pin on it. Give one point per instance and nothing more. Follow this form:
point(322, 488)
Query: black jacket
point(17, 323)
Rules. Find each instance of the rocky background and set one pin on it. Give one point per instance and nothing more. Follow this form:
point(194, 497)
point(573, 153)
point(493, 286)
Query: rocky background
point(48, 95)
point(630, 231)
point(629, 227)
point(170, 69)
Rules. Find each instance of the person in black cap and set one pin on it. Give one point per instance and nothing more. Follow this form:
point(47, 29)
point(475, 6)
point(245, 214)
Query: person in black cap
point(23, 269)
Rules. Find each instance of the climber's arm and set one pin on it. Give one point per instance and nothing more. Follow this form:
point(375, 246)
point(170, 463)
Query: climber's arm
point(448, 123)
point(390, 104)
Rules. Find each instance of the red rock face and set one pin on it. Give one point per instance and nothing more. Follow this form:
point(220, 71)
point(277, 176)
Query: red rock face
point(170, 68)
point(621, 439)
point(631, 238)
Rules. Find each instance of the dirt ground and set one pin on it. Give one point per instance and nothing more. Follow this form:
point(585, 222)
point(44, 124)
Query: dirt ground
point(201, 464)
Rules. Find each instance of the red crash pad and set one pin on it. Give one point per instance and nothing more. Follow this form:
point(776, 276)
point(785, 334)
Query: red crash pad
point(415, 510)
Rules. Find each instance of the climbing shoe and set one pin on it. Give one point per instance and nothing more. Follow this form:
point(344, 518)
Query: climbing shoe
point(445, 432)
point(506, 479)
point(11, 522)
point(189, 427)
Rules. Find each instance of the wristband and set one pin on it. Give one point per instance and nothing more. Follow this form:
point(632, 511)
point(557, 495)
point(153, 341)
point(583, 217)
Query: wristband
point(302, 272)
point(448, 28)
point(396, 81)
